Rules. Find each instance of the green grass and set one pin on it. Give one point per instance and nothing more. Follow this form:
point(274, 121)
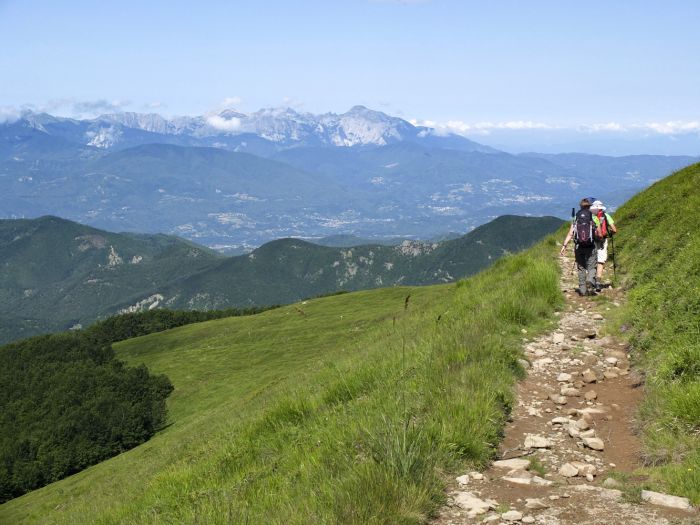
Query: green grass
point(658, 252)
point(344, 409)
point(537, 466)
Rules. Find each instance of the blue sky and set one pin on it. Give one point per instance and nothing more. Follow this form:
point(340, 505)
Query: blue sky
point(558, 63)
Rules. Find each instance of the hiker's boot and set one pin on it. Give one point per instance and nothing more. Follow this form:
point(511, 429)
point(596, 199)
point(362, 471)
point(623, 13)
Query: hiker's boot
point(590, 288)
point(598, 286)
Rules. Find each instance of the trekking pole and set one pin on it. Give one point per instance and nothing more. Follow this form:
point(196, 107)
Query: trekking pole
point(612, 240)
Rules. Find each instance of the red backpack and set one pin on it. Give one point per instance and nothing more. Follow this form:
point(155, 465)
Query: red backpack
point(601, 231)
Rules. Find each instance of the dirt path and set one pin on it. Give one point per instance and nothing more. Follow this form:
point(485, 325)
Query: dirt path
point(573, 425)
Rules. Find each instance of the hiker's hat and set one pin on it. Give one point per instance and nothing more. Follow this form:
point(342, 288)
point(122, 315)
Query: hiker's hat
point(597, 205)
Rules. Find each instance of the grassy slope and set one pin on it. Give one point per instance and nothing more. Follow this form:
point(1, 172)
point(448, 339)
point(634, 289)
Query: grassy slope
point(659, 255)
point(345, 408)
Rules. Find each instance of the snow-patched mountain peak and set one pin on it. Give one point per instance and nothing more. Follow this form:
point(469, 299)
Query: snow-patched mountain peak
point(281, 127)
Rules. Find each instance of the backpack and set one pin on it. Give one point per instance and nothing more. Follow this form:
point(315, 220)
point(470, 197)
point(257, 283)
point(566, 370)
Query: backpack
point(602, 230)
point(583, 228)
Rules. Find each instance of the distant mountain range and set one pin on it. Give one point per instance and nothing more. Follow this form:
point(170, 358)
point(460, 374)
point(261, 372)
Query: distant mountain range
point(261, 132)
point(57, 274)
point(233, 181)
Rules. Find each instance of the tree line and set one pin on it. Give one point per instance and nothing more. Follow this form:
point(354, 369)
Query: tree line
point(66, 401)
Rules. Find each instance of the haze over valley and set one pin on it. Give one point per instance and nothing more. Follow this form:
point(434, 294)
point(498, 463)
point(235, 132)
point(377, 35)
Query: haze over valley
point(233, 181)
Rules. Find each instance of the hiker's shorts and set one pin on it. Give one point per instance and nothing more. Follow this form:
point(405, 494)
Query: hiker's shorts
point(602, 250)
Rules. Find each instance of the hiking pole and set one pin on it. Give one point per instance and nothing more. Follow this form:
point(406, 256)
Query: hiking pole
point(612, 241)
point(573, 216)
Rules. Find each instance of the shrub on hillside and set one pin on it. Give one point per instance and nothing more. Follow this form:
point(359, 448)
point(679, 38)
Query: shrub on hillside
point(66, 403)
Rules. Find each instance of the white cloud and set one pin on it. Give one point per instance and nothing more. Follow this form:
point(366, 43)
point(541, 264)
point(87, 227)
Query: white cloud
point(78, 108)
point(460, 127)
point(673, 127)
point(606, 126)
point(223, 124)
point(231, 102)
point(96, 107)
point(480, 128)
point(9, 114)
point(156, 104)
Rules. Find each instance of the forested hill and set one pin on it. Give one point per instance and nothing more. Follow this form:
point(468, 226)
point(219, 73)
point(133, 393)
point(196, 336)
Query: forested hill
point(58, 274)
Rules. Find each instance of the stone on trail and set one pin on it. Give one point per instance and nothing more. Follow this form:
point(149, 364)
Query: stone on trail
point(597, 317)
point(463, 480)
point(491, 518)
point(594, 443)
point(587, 433)
point(564, 377)
point(610, 375)
point(524, 363)
point(512, 464)
point(573, 431)
point(558, 399)
point(558, 338)
point(477, 476)
point(584, 469)
point(611, 360)
point(570, 392)
point(568, 470)
point(473, 505)
point(534, 441)
point(512, 515)
point(666, 500)
point(588, 333)
point(541, 481)
point(532, 411)
point(588, 376)
point(611, 483)
point(520, 477)
point(528, 519)
point(582, 424)
point(535, 504)
point(539, 364)
point(560, 420)
point(590, 395)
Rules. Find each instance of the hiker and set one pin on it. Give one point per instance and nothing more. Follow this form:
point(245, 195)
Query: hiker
point(604, 229)
point(582, 231)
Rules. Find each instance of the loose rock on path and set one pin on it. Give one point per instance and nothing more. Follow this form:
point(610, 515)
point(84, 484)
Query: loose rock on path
point(573, 425)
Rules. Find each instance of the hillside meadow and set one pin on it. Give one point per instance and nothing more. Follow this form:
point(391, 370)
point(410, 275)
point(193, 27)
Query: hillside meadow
point(659, 258)
point(347, 408)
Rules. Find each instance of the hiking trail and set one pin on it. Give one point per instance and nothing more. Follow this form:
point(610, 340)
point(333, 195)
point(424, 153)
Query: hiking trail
point(572, 425)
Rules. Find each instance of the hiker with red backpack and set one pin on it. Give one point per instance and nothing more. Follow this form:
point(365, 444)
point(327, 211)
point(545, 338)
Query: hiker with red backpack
point(582, 231)
point(604, 229)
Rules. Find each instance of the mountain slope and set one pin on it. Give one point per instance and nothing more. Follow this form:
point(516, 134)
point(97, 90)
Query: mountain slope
point(340, 409)
point(57, 273)
point(658, 254)
point(289, 270)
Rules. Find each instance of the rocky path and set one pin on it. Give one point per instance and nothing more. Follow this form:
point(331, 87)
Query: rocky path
point(573, 427)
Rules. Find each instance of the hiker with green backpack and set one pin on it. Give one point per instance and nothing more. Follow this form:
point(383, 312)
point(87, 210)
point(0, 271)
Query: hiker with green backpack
point(604, 229)
point(582, 231)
